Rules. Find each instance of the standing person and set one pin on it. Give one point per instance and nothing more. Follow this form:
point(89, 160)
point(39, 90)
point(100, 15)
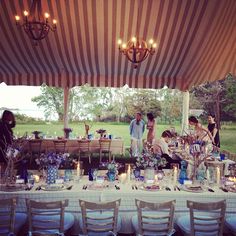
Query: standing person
point(201, 132)
point(6, 134)
point(150, 127)
point(213, 129)
point(136, 128)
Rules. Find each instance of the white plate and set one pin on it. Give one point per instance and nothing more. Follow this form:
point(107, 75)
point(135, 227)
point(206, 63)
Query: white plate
point(193, 188)
point(151, 188)
point(53, 187)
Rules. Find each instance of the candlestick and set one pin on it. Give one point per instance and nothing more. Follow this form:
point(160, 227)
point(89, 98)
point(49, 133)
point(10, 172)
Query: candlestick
point(218, 175)
point(128, 173)
point(78, 170)
point(208, 176)
point(175, 173)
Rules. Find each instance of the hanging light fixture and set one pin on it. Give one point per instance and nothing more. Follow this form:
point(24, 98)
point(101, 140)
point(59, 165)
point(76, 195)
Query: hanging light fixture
point(36, 24)
point(137, 50)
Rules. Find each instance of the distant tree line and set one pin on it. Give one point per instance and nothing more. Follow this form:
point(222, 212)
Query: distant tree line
point(120, 104)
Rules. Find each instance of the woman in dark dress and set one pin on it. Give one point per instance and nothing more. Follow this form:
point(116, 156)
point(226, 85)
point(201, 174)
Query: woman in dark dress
point(6, 134)
point(212, 127)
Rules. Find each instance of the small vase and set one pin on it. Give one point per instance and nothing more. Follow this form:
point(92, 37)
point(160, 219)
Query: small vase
point(111, 176)
point(68, 175)
point(149, 173)
point(52, 174)
point(137, 172)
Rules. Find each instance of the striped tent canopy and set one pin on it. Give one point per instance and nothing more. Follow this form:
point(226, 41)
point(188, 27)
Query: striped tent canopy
point(196, 43)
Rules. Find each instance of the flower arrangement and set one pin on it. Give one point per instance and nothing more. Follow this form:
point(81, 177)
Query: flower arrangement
point(111, 166)
point(149, 159)
point(51, 159)
point(13, 156)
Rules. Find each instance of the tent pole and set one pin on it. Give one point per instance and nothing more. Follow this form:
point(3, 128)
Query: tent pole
point(185, 112)
point(66, 106)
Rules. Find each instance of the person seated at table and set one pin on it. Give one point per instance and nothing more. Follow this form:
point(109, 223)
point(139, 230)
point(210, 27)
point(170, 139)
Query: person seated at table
point(160, 147)
point(212, 127)
point(201, 133)
point(6, 134)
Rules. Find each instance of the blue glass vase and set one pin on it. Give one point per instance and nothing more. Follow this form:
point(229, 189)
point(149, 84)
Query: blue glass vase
point(111, 175)
point(137, 172)
point(52, 174)
point(183, 172)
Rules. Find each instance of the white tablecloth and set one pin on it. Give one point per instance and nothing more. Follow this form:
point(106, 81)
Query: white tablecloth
point(127, 195)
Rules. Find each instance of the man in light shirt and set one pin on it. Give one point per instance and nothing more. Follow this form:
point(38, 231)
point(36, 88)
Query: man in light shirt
point(136, 128)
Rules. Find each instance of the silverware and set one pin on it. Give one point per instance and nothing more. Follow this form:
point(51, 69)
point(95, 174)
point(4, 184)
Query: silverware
point(70, 187)
point(117, 187)
point(84, 187)
point(38, 188)
point(178, 188)
point(168, 189)
point(225, 190)
point(211, 190)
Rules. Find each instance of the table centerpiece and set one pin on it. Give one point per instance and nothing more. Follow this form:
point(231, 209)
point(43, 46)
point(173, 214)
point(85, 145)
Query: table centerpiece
point(50, 162)
point(149, 161)
point(112, 169)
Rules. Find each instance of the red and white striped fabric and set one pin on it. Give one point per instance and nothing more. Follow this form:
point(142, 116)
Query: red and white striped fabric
point(196, 43)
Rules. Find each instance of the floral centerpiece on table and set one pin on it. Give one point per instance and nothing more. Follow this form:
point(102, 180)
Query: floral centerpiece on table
point(13, 156)
point(149, 159)
point(51, 159)
point(112, 169)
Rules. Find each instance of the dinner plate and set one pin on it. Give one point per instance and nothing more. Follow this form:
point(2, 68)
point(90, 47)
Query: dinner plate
point(12, 187)
point(97, 186)
point(193, 188)
point(53, 187)
point(231, 189)
point(152, 187)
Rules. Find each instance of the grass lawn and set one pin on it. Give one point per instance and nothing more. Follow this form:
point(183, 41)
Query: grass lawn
point(227, 134)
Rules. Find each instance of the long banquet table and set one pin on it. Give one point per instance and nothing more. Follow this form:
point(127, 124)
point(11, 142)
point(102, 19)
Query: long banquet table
point(127, 194)
point(117, 145)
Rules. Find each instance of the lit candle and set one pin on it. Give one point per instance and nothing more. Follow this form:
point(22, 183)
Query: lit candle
point(128, 173)
point(36, 178)
point(208, 176)
point(123, 177)
point(78, 169)
point(175, 174)
point(156, 178)
point(218, 175)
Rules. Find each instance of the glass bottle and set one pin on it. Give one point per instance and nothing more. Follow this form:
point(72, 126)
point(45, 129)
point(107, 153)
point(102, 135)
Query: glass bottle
point(183, 172)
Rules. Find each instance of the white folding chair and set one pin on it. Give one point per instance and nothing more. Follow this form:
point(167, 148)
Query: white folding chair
point(100, 218)
point(154, 218)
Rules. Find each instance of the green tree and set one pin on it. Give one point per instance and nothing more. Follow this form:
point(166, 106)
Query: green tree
point(229, 105)
point(144, 101)
point(171, 105)
point(51, 100)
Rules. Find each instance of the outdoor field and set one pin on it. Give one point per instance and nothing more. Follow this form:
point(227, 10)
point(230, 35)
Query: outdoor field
point(227, 133)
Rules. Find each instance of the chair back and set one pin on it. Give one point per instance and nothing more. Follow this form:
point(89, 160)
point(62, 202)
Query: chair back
point(35, 145)
point(105, 144)
point(59, 146)
point(100, 217)
point(44, 217)
point(155, 218)
point(207, 218)
point(84, 145)
point(7, 216)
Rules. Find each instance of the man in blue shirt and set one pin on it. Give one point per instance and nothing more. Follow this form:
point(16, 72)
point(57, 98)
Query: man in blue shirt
point(136, 128)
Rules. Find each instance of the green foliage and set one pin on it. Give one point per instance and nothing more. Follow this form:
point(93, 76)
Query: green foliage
point(51, 100)
point(143, 101)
